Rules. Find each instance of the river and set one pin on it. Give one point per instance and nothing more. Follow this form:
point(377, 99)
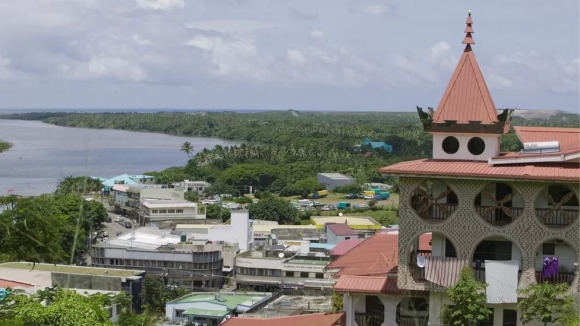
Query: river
point(42, 154)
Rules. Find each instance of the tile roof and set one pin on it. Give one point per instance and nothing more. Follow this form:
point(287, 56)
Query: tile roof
point(467, 97)
point(344, 246)
point(335, 319)
point(472, 169)
point(376, 255)
point(4, 283)
point(366, 284)
point(341, 229)
point(569, 138)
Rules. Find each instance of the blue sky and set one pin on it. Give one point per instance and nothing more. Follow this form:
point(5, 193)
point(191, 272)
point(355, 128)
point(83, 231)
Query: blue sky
point(379, 55)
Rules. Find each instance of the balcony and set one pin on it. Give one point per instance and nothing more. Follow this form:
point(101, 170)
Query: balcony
point(368, 319)
point(413, 320)
point(498, 216)
point(567, 278)
point(436, 213)
point(557, 218)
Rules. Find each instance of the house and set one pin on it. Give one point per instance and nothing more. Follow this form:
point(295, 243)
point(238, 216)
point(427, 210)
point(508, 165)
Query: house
point(125, 179)
point(212, 309)
point(319, 319)
point(197, 186)
point(338, 232)
point(367, 142)
point(513, 217)
point(333, 180)
point(367, 276)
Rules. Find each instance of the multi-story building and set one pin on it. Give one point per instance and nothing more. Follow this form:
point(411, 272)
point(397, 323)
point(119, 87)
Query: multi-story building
point(180, 261)
point(513, 217)
point(278, 266)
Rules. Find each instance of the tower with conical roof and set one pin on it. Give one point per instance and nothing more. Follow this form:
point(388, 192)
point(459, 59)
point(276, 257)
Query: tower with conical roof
point(466, 124)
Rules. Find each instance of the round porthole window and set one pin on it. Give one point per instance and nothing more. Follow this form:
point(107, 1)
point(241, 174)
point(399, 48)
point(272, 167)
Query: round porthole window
point(450, 145)
point(476, 146)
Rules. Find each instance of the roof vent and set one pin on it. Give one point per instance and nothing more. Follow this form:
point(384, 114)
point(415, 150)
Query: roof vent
point(541, 147)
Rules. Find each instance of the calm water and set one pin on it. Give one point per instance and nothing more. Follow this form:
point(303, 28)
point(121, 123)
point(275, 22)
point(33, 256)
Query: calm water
point(42, 154)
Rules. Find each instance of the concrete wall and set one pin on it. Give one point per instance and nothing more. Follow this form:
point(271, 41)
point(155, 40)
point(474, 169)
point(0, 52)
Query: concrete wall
point(491, 147)
point(238, 231)
point(86, 282)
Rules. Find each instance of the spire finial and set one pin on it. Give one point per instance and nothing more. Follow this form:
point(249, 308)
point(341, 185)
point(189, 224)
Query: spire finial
point(468, 40)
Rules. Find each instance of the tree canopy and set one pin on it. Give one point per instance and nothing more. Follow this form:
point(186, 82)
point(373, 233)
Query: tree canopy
point(275, 209)
point(547, 302)
point(469, 300)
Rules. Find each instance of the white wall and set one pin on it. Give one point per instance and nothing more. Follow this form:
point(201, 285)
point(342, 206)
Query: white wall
point(437, 245)
point(162, 193)
point(238, 231)
point(491, 147)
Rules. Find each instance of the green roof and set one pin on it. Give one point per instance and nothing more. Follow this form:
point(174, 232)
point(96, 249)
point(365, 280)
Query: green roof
point(206, 313)
point(71, 269)
point(231, 301)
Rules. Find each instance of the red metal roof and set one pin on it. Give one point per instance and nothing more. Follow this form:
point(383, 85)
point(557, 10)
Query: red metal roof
point(341, 229)
point(4, 283)
point(366, 284)
point(467, 97)
point(376, 255)
point(344, 246)
point(472, 169)
point(337, 319)
point(569, 138)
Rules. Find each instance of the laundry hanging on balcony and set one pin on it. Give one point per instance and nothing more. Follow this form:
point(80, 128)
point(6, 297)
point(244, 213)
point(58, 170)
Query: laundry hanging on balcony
point(550, 266)
point(502, 279)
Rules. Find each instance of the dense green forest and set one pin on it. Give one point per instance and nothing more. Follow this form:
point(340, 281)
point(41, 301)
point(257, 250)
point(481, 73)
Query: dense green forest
point(283, 150)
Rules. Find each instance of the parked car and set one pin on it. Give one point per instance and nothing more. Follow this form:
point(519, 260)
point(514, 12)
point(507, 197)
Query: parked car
point(109, 219)
point(352, 196)
point(128, 225)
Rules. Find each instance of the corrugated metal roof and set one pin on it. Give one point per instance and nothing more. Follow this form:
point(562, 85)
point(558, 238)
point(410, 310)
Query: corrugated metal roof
point(366, 284)
point(471, 169)
point(4, 283)
point(569, 138)
point(341, 229)
point(344, 246)
point(443, 271)
point(376, 255)
point(467, 97)
point(325, 319)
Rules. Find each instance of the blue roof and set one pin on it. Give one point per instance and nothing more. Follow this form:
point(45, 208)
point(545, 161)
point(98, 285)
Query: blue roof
point(127, 179)
point(327, 246)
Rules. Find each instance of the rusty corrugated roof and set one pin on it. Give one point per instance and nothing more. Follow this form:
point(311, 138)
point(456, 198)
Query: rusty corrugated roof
point(473, 169)
point(366, 284)
point(467, 97)
point(319, 319)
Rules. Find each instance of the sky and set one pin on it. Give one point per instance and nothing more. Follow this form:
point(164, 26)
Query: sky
point(351, 55)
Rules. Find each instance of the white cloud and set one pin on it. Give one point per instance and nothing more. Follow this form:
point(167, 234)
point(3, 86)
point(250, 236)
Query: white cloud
point(372, 7)
point(161, 4)
point(115, 68)
point(139, 40)
point(296, 57)
point(229, 26)
point(317, 33)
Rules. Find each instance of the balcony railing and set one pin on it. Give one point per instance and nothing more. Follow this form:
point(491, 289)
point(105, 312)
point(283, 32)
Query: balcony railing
point(498, 216)
point(413, 320)
point(418, 275)
point(567, 278)
point(557, 219)
point(369, 319)
point(436, 212)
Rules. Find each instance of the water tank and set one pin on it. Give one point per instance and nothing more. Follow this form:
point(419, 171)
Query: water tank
point(541, 147)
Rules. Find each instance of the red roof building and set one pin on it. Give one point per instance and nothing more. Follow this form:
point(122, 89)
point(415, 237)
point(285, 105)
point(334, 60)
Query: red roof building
point(337, 319)
point(502, 214)
point(341, 229)
point(4, 283)
point(344, 246)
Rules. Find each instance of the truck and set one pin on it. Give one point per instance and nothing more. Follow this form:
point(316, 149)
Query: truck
point(382, 195)
point(343, 205)
point(320, 194)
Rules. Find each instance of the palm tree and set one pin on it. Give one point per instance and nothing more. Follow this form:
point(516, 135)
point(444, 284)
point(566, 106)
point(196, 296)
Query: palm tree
point(187, 148)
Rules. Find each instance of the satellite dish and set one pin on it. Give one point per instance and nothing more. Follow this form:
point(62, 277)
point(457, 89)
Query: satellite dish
point(339, 214)
point(281, 255)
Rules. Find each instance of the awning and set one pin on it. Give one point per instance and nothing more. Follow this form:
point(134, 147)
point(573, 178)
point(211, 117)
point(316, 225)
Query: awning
point(443, 271)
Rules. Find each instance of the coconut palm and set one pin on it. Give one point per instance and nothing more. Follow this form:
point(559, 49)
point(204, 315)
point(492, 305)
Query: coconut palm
point(187, 148)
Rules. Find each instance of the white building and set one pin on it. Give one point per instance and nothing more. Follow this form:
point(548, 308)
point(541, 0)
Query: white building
point(333, 180)
point(171, 210)
point(197, 186)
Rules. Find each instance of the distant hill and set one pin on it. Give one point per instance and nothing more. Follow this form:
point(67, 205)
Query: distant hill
point(540, 114)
